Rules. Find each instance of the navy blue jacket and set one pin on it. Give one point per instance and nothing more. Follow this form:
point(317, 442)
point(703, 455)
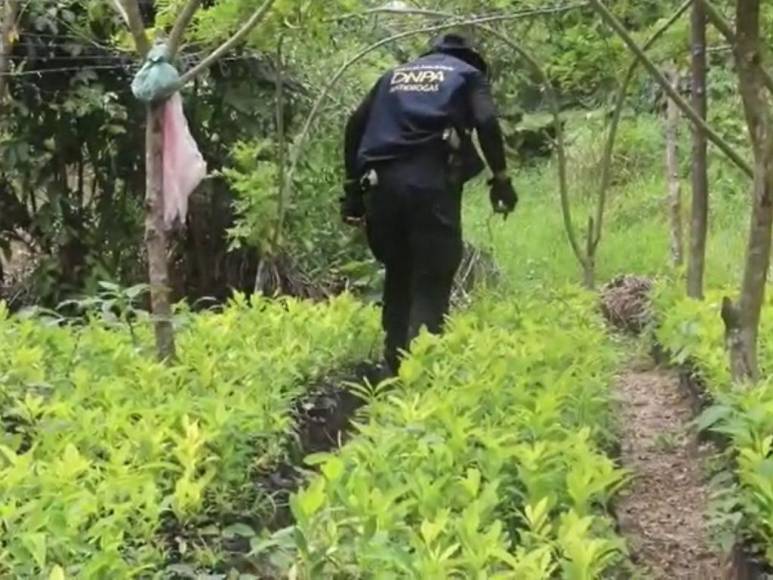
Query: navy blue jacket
point(412, 105)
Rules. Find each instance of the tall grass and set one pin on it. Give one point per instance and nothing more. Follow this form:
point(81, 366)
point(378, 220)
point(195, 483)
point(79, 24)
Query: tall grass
point(532, 249)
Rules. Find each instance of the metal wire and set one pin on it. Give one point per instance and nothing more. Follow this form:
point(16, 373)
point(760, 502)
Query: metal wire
point(62, 70)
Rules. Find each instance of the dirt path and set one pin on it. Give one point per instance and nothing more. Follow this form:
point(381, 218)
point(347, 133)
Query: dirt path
point(662, 515)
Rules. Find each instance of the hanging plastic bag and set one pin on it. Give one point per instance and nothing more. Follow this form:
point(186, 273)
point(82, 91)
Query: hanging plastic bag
point(157, 79)
point(184, 167)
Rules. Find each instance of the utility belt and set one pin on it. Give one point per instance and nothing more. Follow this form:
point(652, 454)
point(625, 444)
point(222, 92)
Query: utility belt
point(453, 158)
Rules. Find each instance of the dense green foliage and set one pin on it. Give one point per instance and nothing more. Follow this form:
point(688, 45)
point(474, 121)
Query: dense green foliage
point(72, 140)
point(76, 204)
point(488, 457)
point(535, 257)
point(479, 462)
point(487, 460)
point(693, 333)
point(100, 444)
point(532, 249)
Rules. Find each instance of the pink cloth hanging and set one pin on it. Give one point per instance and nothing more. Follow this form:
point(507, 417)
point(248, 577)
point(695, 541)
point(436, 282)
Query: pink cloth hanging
point(184, 167)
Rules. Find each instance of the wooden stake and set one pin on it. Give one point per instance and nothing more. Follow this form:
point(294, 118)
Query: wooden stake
point(742, 321)
point(672, 175)
point(699, 217)
point(155, 234)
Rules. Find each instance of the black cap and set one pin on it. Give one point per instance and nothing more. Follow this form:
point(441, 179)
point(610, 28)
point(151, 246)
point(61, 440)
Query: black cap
point(459, 46)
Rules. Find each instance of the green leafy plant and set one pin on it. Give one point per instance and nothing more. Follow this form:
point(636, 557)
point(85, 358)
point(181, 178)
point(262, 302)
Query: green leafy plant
point(692, 332)
point(253, 179)
point(100, 444)
point(480, 463)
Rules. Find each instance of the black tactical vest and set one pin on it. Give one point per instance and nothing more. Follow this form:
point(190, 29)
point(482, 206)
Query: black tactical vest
point(414, 105)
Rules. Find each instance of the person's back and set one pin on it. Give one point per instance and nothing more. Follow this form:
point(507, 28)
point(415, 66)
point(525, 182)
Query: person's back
point(408, 151)
point(415, 104)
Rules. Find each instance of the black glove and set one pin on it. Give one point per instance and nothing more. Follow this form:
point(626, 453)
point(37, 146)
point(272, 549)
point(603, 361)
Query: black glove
point(502, 194)
point(352, 203)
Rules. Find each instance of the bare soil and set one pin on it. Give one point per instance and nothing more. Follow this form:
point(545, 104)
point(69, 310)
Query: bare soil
point(663, 513)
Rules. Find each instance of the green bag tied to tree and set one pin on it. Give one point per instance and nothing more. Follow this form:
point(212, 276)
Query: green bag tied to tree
point(157, 79)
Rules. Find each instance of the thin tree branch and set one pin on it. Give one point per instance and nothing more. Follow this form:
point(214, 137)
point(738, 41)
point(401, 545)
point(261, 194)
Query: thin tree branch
point(281, 138)
point(699, 207)
point(606, 161)
point(480, 23)
point(180, 25)
point(724, 27)
point(426, 12)
point(8, 15)
point(689, 112)
point(719, 21)
point(120, 9)
point(246, 28)
point(130, 10)
point(555, 109)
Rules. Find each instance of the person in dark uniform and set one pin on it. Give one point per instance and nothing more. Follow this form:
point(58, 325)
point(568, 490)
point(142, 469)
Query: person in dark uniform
point(408, 152)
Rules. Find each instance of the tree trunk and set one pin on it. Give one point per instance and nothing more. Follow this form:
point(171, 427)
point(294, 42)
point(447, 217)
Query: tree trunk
point(589, 275)
point(689, 112)
point(267, 258)
point(606, 161)
point(281, 142)
point(7, 19)
point(672, 175)
point(155, 234)
point(700, 183)
point(742, 320)
point(8, 15)
point(589, 263)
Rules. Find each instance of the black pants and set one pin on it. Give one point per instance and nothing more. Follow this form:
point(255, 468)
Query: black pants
point(414, 229)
